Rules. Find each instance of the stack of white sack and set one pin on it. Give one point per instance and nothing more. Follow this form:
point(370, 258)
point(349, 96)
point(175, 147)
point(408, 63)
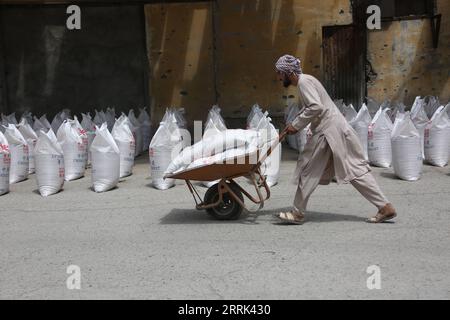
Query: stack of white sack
point(379, 140)
point(361, 126)
point(74, 146)
point(436, 138)
point(5, 162)
point(124, 139)
point(137, 132)
point(105, 160)
point(166, 144)
point(31, 138)
point(420, 120)
point(49, 160)
point(348, 112)
point(214, 125)
point(89, 128)
point(271, 165)
point(18, 148)
point(406, 150)
point(146, 126)
point(216, 148)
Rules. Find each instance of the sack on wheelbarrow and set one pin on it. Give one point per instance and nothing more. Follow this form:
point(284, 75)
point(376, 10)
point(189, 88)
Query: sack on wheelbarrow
point(212, 145)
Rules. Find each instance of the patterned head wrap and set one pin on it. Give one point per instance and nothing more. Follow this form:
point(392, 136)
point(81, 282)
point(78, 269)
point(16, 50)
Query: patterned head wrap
point(288, 64)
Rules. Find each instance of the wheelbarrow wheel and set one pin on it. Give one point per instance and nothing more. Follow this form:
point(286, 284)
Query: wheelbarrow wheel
point(229, 208)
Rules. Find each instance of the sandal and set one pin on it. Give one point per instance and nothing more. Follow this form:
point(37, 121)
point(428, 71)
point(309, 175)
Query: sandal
point(385, 213)
point(291, 218)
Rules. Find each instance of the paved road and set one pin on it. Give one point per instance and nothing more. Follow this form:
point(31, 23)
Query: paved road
point(138, 242)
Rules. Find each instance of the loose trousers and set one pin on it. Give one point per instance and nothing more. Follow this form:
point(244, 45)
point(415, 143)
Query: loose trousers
point(365, 184)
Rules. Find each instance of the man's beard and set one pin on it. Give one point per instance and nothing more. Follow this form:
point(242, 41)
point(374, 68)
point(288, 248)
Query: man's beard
point(286, 82)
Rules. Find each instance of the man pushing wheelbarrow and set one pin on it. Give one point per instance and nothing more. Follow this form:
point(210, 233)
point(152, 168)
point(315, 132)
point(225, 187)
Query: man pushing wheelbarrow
point(334, 149)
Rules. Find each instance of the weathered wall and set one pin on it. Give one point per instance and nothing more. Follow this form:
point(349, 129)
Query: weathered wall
point(407, 65)
point(50, 68)
point(180, 54)
point(249, 36)
point(252, 34)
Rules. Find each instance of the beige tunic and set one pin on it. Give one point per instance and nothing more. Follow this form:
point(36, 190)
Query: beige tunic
point(329, 126)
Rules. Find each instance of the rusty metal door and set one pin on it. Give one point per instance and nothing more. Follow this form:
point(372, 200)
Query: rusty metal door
point(344, 50)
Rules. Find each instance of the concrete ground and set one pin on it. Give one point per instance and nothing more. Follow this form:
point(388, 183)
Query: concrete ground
point(138, 242)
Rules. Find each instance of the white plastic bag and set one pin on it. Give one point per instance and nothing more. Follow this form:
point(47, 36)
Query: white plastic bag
point(31, 138)
point(379, 140)
point(105, 160)
point(165, 145)
point(420, 120)
point(74, 148)
point(146, 126)
point(5, 163)
point(49, 164)
point(18, 148)
point(349, 112)
point(89, 127)
point(361, 126)
point(271, 165)
point(137, 132)
point(254, 116)
point(406, 150)
point(436, 138)
point(124, 139)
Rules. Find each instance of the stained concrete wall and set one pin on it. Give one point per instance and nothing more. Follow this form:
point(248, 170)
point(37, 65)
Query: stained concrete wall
point(405, 61)
point(180, 55)
point(49, 67)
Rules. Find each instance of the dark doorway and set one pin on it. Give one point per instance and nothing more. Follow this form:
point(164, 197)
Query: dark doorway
point(344, 51)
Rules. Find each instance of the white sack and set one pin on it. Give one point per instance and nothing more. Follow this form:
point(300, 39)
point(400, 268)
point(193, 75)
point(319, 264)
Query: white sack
point(349, 112)
point(254, 116)
point(99, 118)
point(31, 138)
point(89, 127)
point(214, 125)
point(124, 139)
point(105, 160)
point(18, 148)
point(420, 120)
point(57, 121)
point(5, 163)
point(28, 117)
point(271, 165)
point(436, 138)
point(361, 126)
point(38, 125)
point(165, 145)
point(110, 117)
point(137, 132)
point(146, 126)
point(406, 150)
point(49, 160)
point(74, 147)
point(45, 122)
point(379, 140)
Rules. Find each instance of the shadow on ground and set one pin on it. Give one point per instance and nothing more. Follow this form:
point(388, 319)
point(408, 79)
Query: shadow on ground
point(190, 216)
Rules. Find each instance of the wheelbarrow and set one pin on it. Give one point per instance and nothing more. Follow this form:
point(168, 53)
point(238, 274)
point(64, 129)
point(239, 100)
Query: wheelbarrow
point(225, 199)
